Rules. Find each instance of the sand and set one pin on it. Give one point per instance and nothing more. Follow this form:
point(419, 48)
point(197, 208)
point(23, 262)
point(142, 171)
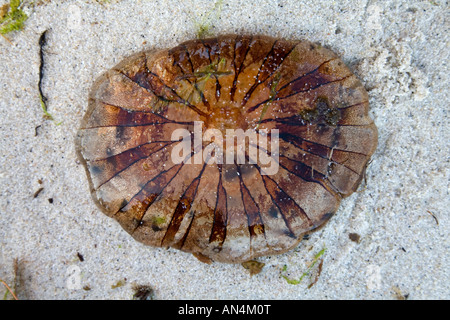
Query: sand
point(399, 50)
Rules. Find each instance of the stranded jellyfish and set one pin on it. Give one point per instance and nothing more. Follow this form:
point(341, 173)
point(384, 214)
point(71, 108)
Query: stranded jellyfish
point(228, 148)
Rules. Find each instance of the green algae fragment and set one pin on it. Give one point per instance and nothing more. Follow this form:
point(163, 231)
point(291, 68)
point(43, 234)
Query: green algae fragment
point(12, 17)
point(158, 220)
point(191, 89)
point(47, 115)
point(205, 24)
point(307, 272)
point(273, 92)
point(322, 113)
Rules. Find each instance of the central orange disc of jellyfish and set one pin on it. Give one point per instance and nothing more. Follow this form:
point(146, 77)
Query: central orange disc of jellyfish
point(229, 148)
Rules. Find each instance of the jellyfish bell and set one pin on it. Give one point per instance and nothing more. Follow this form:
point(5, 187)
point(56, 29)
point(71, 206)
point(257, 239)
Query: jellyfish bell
point(156, 128)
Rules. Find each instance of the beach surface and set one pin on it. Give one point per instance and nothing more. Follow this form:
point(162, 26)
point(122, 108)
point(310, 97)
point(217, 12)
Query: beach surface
point(389, 240)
